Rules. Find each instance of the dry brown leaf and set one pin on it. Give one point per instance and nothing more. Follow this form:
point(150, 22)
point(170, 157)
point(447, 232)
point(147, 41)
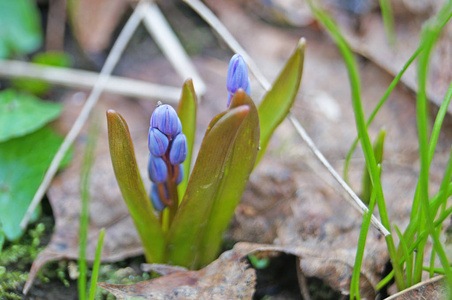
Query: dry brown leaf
point(94, 21)
point(432, 289)
point(230, 277)
point(226, 278)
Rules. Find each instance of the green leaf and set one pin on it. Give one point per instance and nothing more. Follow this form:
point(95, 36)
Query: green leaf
point(20, 27)
point(205, 185)
point(40, 87)
point(279, 99)
point(239, 166)
point(21, 114)
point(23, 163)
point(187, 115)
point(132, 189)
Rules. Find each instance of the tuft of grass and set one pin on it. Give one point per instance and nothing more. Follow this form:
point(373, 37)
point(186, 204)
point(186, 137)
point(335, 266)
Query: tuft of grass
point(369, 154)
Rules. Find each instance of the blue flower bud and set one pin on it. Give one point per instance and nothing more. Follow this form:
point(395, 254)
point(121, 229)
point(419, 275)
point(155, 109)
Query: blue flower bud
point(178, 151)
point(155, 198)
point(165, 119)
point(180, 175)
point(158, 172)
point(157, 142)
point(237, 76)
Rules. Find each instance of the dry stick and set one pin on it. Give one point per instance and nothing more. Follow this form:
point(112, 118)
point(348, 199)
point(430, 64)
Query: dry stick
point(216, 24)
point(164, 36)
point(108, 67)
point(85, 79)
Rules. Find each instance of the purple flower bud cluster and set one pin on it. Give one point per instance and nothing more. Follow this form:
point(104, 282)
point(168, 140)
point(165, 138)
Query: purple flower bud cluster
point(237, 77)
point(168, 150)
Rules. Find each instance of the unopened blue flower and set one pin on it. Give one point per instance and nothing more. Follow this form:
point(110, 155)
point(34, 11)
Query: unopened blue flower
point(165, 119)
point(158, 172)
point(157, 142)
point(237, 76)
point(157, 203)
point(178, 151)
point(180, 175)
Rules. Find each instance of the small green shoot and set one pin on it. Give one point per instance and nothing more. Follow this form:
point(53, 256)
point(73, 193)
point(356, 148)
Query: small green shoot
point(259, 263)
point(88, 161)
point(96, 265)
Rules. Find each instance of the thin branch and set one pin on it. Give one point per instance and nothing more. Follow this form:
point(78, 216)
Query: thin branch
point(84, 79)
point(168, 42)
point(216, 24)
point(105, 73)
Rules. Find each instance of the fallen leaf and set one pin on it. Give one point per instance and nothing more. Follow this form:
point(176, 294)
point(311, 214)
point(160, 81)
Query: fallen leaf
point(228, 277)
point(432, 289)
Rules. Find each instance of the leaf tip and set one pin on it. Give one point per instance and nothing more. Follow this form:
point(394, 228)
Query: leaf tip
point(301, 43)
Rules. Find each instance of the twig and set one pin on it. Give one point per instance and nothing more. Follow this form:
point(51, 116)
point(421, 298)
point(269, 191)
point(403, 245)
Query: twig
point(356, 203)
point(164, 36)
point(84, 79)
point(216, 24)
point(108, 67)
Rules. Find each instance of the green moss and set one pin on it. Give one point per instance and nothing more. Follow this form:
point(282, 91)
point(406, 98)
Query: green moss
point(17, 257)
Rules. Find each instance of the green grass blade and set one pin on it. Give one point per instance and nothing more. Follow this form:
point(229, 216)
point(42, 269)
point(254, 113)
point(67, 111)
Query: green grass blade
point(88, 161)
point(356, 275)
point(205, 185)
point(366, 190)
point(186, 111)
point(429, 36)
point(96, 266)
point(382, 101)
point(279, 99)
point(352, 69)
point(132, 189)
point(388, 21)
point(407, 254)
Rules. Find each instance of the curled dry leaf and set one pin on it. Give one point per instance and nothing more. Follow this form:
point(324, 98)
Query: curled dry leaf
point(230, 276)
point(432, 289)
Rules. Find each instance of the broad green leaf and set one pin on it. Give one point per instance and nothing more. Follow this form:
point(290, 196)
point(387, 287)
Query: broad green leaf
point(187, 114)
point(21, 114)
point(239, 166)
point(23, 163)
point(189, 224)
point(279, 99)
point(40, 87)
point(132, 189)
point(20, 27)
